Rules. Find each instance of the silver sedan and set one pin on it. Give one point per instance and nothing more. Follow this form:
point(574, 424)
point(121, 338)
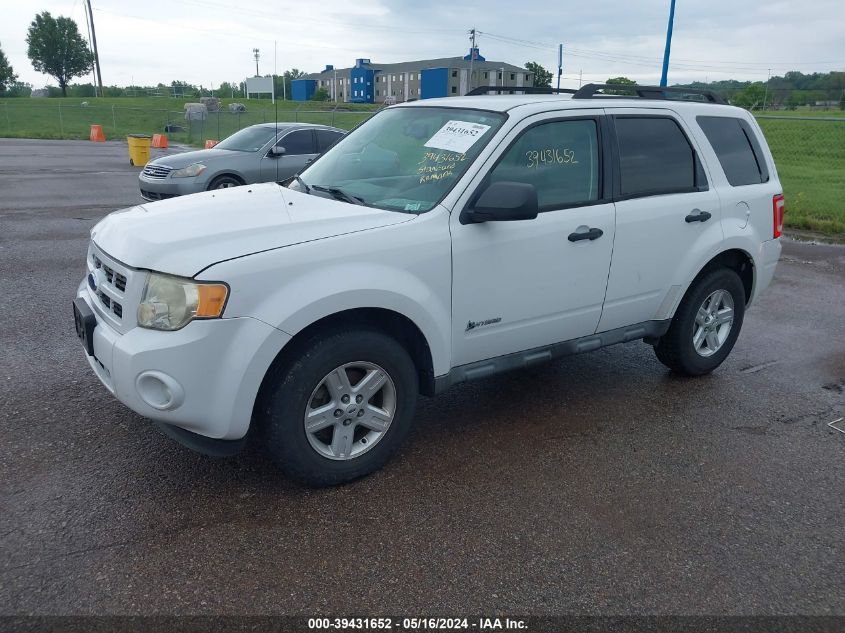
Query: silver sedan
point(260, 153)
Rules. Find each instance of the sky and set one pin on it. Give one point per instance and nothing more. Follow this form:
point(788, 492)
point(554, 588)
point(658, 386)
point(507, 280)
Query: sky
point(205, 42)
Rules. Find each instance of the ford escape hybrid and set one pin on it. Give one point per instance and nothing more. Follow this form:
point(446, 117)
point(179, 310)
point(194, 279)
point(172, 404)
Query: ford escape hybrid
point(441, 241)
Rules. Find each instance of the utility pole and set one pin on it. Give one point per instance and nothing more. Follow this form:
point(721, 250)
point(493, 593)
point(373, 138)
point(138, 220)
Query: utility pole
point(471, 53)
point(580, 74)
point(559, 64)
point(257, 54)
point(94, 43)
point(664, 76)
point(766, 93)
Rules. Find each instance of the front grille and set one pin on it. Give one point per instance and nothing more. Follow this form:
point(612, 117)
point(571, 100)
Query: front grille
point(157, 171)
point(153, 195)
point(107, 286)
point(113, 277)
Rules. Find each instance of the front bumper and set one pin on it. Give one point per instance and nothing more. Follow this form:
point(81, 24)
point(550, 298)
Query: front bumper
point(203, 378)
point(163, 188)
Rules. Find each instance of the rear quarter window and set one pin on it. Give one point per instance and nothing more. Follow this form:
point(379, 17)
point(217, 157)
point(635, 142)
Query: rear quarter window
point(737, 148)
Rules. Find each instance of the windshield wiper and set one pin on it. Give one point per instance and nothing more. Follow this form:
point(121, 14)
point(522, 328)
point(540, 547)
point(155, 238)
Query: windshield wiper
point(339, 194)
point(302, 183)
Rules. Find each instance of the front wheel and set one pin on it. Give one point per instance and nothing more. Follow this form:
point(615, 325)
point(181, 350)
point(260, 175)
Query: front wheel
point(706, 325)
point(224, 182)
point(341, 409)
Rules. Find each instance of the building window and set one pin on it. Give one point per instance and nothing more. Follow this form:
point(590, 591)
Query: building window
point(513, 76)
point(377, 93)
point(485, 75)
point(500, 75)
point(454, 90)
point(401, 76)
point(527, 77)
point(454, 73)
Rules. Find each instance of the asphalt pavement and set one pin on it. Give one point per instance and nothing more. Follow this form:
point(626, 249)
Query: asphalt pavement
point(599, 484)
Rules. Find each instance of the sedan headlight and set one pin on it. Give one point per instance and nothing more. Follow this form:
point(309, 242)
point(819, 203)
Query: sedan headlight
point(170, 303)
point(188, 172)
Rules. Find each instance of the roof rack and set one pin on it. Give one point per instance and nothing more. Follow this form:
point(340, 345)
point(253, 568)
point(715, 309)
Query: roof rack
point(591, 91)
point(526, 90)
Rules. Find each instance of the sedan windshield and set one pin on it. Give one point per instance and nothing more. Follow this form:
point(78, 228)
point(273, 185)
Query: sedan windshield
point(249, 139)
point(402, 159)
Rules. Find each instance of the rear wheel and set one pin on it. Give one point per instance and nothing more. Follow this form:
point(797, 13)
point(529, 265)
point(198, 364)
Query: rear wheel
point(706, 325)
point(341, 409)
point(224, 182)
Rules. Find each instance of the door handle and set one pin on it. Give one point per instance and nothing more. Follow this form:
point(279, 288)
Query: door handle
point(697, 215)
point(592, 234)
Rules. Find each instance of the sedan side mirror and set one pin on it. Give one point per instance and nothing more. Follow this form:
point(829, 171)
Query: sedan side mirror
point(503, 201)
point(277, 150)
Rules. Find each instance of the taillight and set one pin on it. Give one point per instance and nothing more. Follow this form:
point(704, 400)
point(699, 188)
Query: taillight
point(777, 212)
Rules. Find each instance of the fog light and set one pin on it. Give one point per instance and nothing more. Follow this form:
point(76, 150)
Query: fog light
point(159, 390)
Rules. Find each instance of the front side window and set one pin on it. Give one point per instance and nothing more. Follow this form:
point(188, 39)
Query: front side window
point(561, 160)
point(655, 157)
point(404, 159)
point(326, 138)
point(299, 142)
point(737, 149)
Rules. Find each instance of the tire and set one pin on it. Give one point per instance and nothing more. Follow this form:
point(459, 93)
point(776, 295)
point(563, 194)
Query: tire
point(293, 389)
point(697, 341)
point(224, 182)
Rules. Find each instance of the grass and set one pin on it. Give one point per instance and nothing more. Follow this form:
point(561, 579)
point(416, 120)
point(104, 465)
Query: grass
point(810, 154)
point(68, 119)
point(810, 159)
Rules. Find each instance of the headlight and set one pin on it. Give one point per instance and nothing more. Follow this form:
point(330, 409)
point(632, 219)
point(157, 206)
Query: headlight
point(170, 303)
point(188, 172)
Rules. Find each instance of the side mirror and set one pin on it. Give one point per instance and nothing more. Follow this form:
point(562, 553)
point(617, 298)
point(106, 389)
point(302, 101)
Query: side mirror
point(503, 201)
point(277, 150)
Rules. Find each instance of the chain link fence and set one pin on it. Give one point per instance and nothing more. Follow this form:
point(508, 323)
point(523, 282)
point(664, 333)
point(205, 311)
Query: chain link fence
point(23, 119)
point(810, 156)
point(809, 150)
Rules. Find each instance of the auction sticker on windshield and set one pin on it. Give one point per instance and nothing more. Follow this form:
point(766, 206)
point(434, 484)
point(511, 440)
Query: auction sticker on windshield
point(457, 136)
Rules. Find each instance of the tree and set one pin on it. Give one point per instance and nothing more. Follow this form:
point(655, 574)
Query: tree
point(321, 94)
point(56, 48)
point(620, 81)
point(282, 83)
point(7, 73)
point(752, 97)
point(542, 77)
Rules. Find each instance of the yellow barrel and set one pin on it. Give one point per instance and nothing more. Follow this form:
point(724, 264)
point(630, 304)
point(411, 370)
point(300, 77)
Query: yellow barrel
point(139, 149)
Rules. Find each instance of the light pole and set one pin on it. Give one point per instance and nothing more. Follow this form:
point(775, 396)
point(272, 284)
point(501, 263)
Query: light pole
point(664, 77)
point(257, 54)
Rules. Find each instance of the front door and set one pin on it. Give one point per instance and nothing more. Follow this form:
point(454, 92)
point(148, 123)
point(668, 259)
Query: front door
point(300, 149)
point(530, 283)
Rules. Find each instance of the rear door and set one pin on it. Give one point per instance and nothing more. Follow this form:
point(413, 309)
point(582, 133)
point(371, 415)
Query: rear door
point(667, 216)
point(300, 149)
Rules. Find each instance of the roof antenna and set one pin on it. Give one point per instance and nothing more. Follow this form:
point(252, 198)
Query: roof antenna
point(276, 104)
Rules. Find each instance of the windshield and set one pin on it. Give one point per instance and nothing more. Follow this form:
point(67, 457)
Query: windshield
point(249, 139)
point(403, 159)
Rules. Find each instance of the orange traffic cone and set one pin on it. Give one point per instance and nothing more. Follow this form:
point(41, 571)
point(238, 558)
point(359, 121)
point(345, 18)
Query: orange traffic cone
point(97, 134)
point(210, 143)
point(160, 141)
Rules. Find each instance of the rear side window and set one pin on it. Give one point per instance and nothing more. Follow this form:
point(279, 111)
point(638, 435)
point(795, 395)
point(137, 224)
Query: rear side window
point(655, 157)
point(299, 142)
point(736, 146)
point(326, 138)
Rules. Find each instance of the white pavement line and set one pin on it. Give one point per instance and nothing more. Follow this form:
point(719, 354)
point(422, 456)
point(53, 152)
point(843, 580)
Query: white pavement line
point(830, 424)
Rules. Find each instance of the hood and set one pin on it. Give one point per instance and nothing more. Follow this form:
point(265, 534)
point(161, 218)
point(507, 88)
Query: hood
point(184, 235)
point(177, 161)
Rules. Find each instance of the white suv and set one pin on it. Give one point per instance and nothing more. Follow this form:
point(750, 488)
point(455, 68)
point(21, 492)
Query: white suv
point(441, 241)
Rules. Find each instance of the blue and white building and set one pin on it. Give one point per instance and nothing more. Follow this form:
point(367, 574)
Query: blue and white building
point(368, 82)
